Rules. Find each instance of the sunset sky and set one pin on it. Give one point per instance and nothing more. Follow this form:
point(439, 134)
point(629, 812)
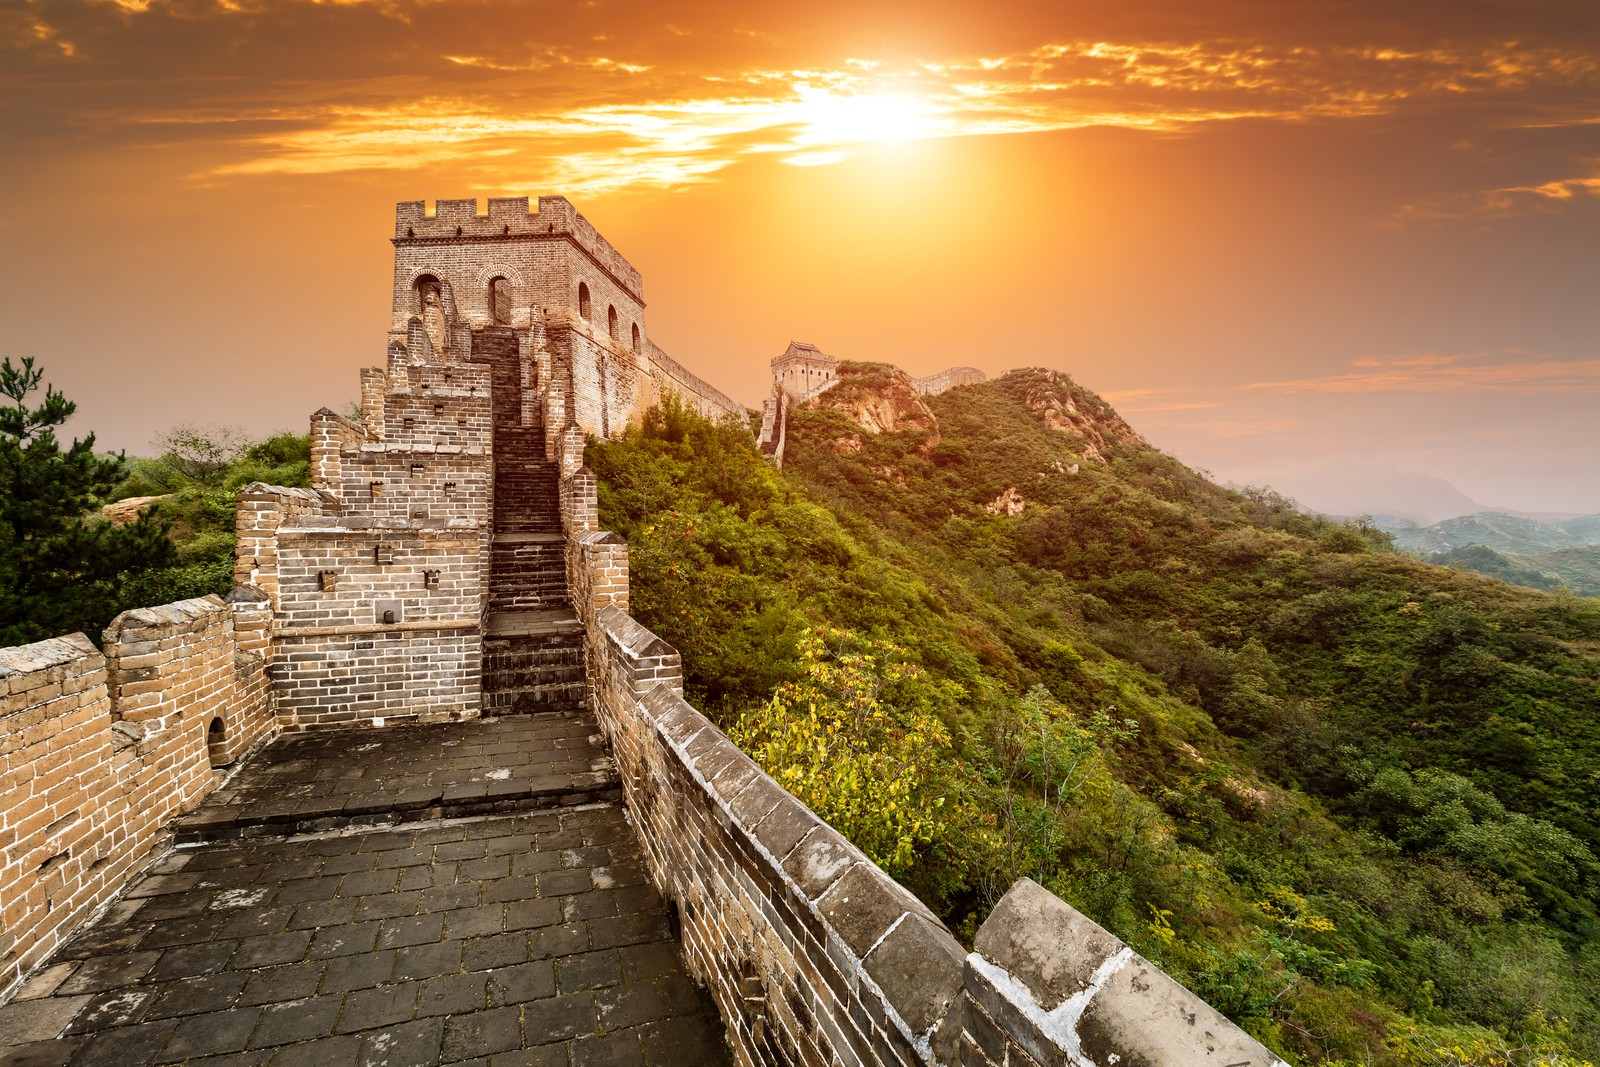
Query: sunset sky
point(1304, 243)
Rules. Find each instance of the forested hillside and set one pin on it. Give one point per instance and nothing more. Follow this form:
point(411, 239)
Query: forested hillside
point(1346, 796)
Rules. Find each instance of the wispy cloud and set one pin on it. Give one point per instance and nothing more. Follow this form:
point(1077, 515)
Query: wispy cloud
point(1487, 372)
point(1499, 372)
point(1508, 201)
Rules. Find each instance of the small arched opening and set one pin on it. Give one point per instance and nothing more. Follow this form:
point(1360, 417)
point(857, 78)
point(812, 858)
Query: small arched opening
point(611, 322)
point(217, 743)
point(425, 291)
point(636, 337)
point(584, 309)
point(500, 301)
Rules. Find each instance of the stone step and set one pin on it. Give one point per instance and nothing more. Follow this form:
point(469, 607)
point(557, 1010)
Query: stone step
point(512, 577)
point(561, 762)
point(526, 570)
point(515, 509)
point(529, 602)
point(527, 654)
point(514, 588)
point(508, 586)
point(508, 504)
point(547, 686)
point(534, 700)
point(562, 624)
point(524, 556)
point(523, 513)
point(533, 661)
point(528, 596)
point(545, 525)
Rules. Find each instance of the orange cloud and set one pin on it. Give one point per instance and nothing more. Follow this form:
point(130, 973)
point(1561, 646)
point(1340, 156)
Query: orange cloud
point(1508, 201)
point(683, 128)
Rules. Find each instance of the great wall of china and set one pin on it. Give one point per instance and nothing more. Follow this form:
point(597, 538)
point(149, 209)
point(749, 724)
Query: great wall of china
point(448, 569)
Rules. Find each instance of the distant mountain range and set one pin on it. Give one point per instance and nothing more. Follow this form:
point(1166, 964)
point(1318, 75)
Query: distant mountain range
point(1345, 490)
point(1514, 548)
point(1499, 530)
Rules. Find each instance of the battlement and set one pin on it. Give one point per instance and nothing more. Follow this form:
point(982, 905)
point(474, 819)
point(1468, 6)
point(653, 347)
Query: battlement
point(509, 219)
point(802, 352)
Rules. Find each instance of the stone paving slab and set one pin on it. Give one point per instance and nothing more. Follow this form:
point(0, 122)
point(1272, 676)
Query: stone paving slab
point(529, 939)
point(334, 778)
point(535, 622)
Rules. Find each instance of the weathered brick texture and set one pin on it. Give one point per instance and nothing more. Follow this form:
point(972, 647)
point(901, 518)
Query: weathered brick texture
point(370, 675)
point(694, 391)
point(98, 752)
point(262, 509)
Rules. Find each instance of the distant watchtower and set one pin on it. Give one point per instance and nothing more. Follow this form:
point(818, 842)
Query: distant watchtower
point(802, 370)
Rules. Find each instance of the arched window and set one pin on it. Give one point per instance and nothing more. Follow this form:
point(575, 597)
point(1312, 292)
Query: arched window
point(611, 322)
point(431, 310)
point(216, 743)
point(636, 337)
point(583, 299)
point(425, 292)
point(500, 301)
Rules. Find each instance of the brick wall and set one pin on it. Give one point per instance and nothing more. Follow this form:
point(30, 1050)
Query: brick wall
point(351, 577)
point(544, 256)
point(547, 257)
point(812, 953)
point(945, 380)
point(261, 510)
point(369, 675)
point(99, 751)
point(608, 385)
point(694, 391)
point(398, 485)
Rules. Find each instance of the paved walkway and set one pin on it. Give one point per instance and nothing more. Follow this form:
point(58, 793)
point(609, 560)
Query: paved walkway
point(340, 778)
point(529, 938)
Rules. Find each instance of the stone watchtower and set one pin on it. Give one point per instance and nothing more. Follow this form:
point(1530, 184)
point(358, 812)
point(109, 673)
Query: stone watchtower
point(802, 370)
point(424, 575)
point(547, 279)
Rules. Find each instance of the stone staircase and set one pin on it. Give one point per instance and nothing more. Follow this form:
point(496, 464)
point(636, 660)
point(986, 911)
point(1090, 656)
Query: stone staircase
point(533, 642)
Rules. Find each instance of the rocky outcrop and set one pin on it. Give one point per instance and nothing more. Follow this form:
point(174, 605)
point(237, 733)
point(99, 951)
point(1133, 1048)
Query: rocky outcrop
point(879, 399)
point(1068, 408)
point(1009, 502)
point(122, 512)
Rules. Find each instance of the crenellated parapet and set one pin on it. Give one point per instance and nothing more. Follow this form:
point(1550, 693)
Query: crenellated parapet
point(509, 219)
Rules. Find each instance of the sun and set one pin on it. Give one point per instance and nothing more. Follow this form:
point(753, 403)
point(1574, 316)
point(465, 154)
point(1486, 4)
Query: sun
point(830, 118)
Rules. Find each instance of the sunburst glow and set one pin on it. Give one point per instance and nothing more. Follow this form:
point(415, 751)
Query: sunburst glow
point(834, 119)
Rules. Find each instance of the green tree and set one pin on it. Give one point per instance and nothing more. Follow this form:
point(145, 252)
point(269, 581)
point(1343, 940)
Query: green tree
point(858, 741)
point(61, 567)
